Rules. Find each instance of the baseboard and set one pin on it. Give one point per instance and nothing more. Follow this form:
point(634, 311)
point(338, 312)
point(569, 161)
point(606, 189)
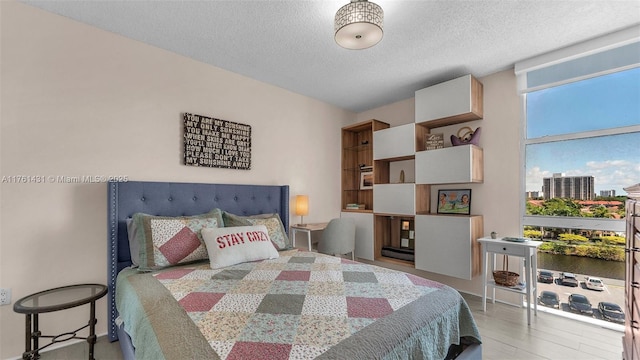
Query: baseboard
point(60, 345)
point(490, 299)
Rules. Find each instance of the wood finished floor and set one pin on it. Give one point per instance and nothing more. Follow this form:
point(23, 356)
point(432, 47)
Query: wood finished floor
point(504, 332)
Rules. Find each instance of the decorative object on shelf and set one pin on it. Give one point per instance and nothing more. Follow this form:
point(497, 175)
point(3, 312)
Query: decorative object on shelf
point(402, 176)
point(405, 225)
point(434, 141)
point(494, 234)
point(366, 180)
point(302, 207)
point(505, 277)
point(454, 201)
point(358, 25)
point(466, 136)
point(355, 207)
point(515, 239)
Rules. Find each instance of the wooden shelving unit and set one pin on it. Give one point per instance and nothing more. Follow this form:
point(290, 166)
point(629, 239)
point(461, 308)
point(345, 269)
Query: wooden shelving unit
point(392, 201)
point(357, 150)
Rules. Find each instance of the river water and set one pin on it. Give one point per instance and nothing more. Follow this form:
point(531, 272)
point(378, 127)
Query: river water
point(582, 265)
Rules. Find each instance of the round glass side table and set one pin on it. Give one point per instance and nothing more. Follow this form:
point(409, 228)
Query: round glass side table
point(57, 299)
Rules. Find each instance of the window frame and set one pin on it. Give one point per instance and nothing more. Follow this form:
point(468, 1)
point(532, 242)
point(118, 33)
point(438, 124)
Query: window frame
point(566, 222)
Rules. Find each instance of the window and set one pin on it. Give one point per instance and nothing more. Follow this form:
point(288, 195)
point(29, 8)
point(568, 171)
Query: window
point(581, 150)
point(581, 134)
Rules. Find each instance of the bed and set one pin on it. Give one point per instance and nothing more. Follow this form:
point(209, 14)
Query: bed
point(294, 305)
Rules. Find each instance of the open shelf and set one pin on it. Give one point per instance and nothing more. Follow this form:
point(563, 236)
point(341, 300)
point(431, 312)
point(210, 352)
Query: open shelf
point(357, 150)
point(394, 231)
point(523, 291)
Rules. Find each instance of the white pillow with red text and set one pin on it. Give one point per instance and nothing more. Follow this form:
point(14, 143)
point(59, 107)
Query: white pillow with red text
point(234, 245)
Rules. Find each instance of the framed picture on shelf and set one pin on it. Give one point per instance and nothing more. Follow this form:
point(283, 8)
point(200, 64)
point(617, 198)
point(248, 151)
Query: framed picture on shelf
point(434, 141)
point(405, 225)
point(454, 201)
point(366, 180)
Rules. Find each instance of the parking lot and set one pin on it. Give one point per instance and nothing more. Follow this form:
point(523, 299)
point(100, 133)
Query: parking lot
point(613, 292)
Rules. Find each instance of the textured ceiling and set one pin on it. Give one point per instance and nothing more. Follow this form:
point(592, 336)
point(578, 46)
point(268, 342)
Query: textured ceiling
point(290, 43)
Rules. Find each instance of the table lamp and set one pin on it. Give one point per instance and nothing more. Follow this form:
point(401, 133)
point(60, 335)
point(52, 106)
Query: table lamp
point(302, 207)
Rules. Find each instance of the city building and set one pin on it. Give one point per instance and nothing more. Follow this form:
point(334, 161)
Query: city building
point(572, 187)
point(607, 193)
point(533, 194)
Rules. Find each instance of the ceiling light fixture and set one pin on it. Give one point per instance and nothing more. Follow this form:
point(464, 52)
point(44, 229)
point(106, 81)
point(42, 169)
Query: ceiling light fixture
point(358, 25)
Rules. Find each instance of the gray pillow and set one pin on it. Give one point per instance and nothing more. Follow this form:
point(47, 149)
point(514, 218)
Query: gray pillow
point(275, 228)
point(134, 245)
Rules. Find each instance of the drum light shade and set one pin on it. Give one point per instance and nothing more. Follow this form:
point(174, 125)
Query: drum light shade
point(358, 25)
point(302, 207)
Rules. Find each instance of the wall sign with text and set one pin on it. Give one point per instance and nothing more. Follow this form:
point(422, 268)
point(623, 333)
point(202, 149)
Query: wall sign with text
point(216, 143)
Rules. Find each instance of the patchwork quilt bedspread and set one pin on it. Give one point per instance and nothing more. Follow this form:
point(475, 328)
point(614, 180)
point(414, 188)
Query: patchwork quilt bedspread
point(302, 305)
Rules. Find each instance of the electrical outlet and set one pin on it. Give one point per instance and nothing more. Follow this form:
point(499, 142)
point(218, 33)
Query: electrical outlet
point(5, 296)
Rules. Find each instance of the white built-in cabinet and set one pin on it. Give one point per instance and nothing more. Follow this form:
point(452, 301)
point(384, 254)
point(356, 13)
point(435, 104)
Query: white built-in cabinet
point(394, 142)
point(398, 199)
point(456, 164)
point(451, 102)
point(447, 245)
point(364, 233)
point(444, 244)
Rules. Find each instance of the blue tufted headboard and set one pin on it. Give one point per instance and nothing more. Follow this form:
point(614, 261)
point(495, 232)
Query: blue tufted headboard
point(177, 199)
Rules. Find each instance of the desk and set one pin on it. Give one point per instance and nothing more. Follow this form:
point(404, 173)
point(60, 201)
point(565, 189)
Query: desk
point(307, 229)
point(527, 250)
point(57, 299)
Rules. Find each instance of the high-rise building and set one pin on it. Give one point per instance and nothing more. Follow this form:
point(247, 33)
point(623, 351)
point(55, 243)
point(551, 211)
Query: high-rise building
point(533, 194)
point(607, 193)
point(572, 187)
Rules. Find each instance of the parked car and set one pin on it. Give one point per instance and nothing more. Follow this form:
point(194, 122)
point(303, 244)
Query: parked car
point(580, 304)
point(568, 279)
point(550, 299)
point(545, 276)
point(594, 283)
point(611, 312)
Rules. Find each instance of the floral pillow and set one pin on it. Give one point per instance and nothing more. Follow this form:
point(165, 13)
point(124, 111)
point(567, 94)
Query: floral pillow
point(234, 245)
point(166, 241)
point(273, 223)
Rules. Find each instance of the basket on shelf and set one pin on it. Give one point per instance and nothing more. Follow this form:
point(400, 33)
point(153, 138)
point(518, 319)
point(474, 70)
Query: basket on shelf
point(505, 277)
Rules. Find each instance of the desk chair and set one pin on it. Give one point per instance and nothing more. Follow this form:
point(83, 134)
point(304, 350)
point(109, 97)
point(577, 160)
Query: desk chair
point(338, 238)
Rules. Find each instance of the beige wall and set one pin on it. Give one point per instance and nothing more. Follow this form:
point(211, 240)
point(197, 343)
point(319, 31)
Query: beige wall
point(77, 101)
point(80, 101)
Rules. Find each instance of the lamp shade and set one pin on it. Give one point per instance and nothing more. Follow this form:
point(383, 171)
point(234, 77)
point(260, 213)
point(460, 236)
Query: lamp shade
point(358, 25)
point(302, 205)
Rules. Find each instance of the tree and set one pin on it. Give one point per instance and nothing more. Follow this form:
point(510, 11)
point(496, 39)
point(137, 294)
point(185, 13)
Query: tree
point(533, 209)
point(614, 240)
point(600, 211)
point(561, 207)
point(534, 234)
